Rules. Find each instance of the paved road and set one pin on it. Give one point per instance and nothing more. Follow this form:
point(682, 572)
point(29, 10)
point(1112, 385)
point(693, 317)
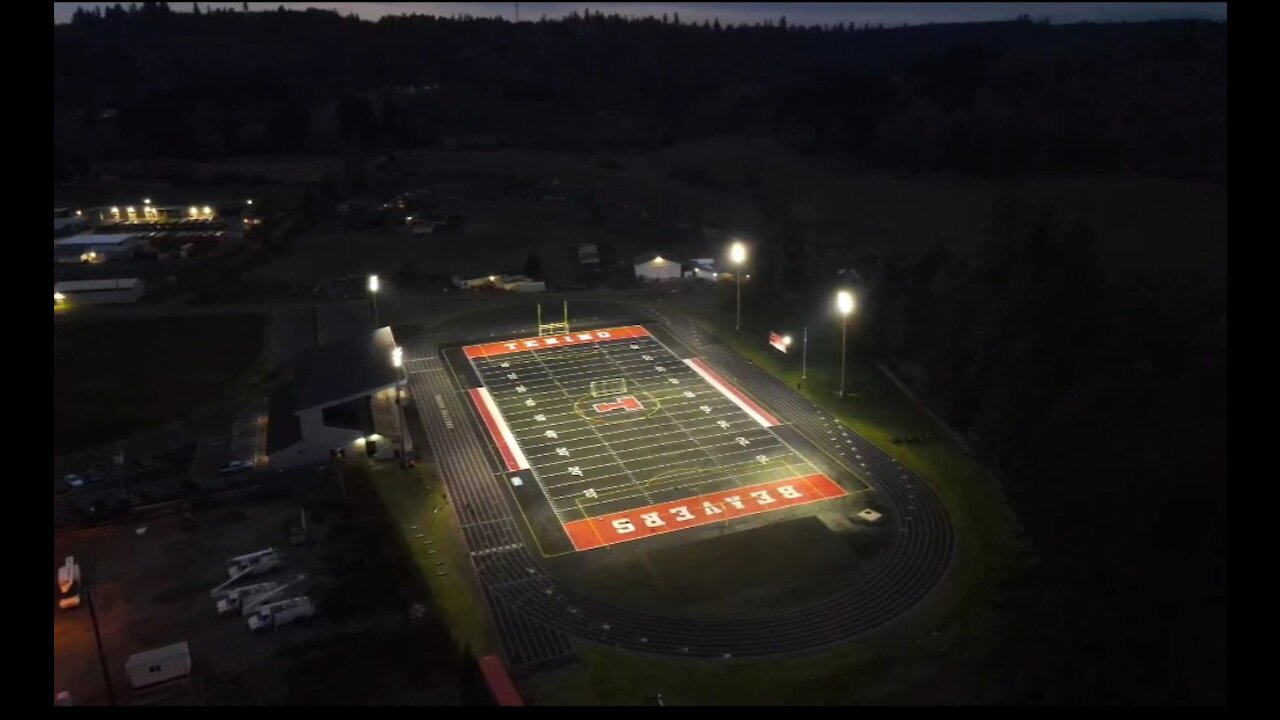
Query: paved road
point(534, 612)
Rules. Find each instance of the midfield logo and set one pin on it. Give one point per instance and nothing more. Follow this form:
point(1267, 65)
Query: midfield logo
point(628, 403)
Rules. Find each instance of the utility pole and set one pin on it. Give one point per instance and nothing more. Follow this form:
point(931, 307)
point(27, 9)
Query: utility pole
point(404, 456)
point(844, 344)
point(102, 656)
point(804, 356)
point(119, 462)
point(517, 12)
point(402, 381)
point(337, 468)
point(737, 323)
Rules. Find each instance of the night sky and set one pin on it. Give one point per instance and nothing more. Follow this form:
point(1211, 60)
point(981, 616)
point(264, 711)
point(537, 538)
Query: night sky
point(796, 13)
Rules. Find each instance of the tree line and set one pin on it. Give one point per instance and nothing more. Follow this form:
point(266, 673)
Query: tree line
point(991, 99)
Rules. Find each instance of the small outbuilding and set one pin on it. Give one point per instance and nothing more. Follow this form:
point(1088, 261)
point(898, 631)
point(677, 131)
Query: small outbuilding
point(654, 267)
point(107, 291)
point(160, 665)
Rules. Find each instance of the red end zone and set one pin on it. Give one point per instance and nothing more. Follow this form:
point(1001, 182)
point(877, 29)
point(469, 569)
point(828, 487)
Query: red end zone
point(700, 510)
point(538, 343)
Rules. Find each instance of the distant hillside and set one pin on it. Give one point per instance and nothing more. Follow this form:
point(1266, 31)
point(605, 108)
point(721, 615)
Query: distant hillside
point(991, 99)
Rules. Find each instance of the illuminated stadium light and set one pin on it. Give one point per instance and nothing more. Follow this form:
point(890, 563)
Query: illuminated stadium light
point(373, 296)
point(845, 302)
point(738, 255)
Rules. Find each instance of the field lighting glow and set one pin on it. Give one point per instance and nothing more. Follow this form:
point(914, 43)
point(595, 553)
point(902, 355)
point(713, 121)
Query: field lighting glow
point(845, 302)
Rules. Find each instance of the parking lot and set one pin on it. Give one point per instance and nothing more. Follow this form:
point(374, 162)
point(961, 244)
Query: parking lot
point(151, 579)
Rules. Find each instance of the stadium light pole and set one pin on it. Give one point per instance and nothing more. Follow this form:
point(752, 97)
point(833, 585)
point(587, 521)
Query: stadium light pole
point(373, 294)
point(397, 360)
point(845, 304)
point(738, 255)
point(804, 355)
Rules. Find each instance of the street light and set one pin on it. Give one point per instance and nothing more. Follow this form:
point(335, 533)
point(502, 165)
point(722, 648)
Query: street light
point(397, 360)
point(845, 304)
point(373, 293)
point(738, 255)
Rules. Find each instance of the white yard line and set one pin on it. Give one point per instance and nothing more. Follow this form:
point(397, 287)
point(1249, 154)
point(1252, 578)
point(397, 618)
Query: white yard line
point(617, 459)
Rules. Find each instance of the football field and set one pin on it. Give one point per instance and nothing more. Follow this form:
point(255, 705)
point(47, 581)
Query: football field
point(624, 439)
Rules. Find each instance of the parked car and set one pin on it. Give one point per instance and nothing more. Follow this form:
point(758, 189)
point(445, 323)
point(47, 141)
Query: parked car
point(94, 477)
point(235, 466)
point(73, 481)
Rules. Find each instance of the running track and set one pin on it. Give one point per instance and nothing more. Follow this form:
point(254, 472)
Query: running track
point(535, 615)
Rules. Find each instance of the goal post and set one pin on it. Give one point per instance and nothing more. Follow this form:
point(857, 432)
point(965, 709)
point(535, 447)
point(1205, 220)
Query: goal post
point(553, 328)
point(608, 388)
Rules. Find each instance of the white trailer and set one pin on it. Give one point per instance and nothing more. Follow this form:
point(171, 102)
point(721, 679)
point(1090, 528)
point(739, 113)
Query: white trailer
point(69, 584)
point(243, 596)
point(278, 614)
point(258, 563)
point(159, 665)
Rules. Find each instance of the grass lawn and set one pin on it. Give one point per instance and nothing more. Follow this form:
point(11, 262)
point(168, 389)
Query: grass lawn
point(985, 526)
point(411, 500)
point(943, 655)
point(113, 378)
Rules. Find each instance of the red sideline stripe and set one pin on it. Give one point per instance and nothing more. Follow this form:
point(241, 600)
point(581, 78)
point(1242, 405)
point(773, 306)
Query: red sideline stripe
point(733, 392)
point(539, 343)
point(499, 682)
point(490, 422)
point(703, 509)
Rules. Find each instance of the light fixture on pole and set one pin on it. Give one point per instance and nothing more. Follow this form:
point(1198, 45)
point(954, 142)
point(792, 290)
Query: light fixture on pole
point(397, 360)
point(373, 294)
point(845, 304)
point(738, 255)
